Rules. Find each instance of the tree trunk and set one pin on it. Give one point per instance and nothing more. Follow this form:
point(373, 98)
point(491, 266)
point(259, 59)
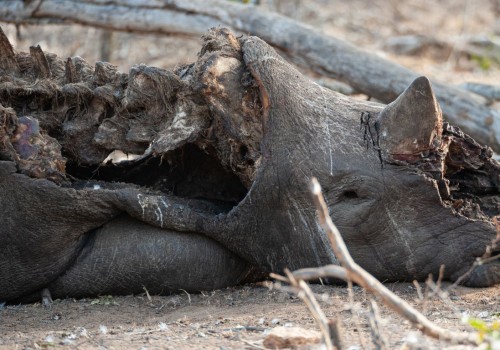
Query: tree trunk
point(300, 43)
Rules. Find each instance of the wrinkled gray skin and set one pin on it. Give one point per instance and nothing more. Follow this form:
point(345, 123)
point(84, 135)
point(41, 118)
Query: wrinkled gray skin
point(394, 225)
point(52, 231)
point(120, 239)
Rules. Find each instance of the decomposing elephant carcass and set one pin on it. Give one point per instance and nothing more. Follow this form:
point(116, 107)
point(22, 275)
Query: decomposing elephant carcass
point(213, 190)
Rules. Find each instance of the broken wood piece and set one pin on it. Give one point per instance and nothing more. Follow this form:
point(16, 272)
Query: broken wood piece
point(8, 60)
point(335, 333)
point(308, 298)
point(491, 92)
point(41, 65)
point(70, 71)
point(379, 339)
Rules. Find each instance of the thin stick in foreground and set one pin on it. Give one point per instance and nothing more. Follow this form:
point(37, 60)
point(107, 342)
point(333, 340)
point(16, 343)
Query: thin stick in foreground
point(357, 274)
point(307, 296)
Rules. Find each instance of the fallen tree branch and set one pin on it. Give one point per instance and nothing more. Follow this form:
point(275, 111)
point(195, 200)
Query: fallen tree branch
point(491, 92)
point(378, 338)
point(302, 44)
point(308, 298)
point(351, 271)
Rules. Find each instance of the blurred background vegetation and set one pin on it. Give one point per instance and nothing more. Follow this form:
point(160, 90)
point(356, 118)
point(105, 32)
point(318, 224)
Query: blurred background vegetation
point(453, 41)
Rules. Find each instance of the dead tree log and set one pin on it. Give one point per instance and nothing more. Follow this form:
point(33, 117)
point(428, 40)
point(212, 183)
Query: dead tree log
point(226, 147)
point(300, 43)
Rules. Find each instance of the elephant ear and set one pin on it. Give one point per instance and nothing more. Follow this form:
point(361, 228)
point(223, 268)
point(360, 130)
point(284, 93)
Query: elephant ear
point(281, 85)
point(412, 124)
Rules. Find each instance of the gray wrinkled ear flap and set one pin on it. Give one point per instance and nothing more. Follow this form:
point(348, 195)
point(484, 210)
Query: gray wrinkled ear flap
point(273, 75)
point(263, 61)
point(412, 124)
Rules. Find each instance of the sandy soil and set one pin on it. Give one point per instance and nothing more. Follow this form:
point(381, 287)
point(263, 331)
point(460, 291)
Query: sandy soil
point(240, 318)
point(234, 318)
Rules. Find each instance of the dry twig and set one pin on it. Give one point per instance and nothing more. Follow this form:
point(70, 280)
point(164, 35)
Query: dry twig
point(419, 290)
point(253, 345)
point(307, 296)
point(350, 270)
point(378, 338)
point(334, 327)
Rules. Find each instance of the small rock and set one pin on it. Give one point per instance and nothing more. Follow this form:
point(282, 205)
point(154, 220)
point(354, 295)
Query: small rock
point(83, 332)
point(46, 297)
point(49, 339)
point(483, 314)
point(163, 326)
point(67, 341)
point(103, 329)
point(291, 337)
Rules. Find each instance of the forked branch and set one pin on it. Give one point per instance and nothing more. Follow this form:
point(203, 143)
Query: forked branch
point(351, 271)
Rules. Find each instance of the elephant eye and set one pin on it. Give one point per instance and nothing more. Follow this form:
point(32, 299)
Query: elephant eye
point(351, 194)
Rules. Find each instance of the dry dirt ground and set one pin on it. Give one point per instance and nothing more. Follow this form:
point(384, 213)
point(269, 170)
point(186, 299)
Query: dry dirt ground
point(233, 318)
point(239, 318)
